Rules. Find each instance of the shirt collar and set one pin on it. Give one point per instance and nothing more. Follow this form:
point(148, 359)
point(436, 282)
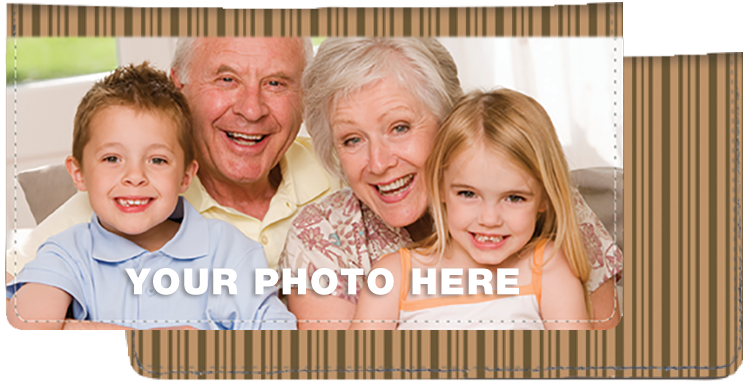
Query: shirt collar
point(303, 178)
point(189, 242)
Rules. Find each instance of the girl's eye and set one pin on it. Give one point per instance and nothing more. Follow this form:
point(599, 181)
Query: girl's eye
point(158, 161)
point(466, 194)
point(515, 199)
point(352, 141)
point(111, 159)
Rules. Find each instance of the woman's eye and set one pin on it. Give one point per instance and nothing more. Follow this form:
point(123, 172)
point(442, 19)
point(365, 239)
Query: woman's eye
point(158, 161)
point(515, 199)
point(352, 141)
point(466, 194)
point(401, 128)
point(111, 159)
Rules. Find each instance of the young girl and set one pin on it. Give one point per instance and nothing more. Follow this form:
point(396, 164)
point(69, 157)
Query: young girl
point(500, 198)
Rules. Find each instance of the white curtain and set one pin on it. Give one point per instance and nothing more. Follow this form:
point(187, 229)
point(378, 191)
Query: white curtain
point(577, 81)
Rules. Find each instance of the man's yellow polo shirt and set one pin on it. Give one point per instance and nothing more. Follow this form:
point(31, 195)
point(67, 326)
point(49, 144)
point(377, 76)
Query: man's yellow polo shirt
point(303, 181)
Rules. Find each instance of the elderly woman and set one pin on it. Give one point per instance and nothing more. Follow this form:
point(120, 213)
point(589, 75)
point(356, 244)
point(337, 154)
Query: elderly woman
point(373, 107)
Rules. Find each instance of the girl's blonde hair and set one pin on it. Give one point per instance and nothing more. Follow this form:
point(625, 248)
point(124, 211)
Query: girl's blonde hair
point(514, 126)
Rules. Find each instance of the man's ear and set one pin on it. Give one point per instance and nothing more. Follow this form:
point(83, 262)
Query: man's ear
point(187, 178)
point(175, 78)
point(76, 172)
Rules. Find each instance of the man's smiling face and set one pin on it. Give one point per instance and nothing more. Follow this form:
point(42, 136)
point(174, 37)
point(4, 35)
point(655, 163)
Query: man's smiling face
point(245, 95)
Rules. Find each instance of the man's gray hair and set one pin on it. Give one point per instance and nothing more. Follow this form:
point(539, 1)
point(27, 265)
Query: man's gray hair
point(343, 66)
point(185, 47)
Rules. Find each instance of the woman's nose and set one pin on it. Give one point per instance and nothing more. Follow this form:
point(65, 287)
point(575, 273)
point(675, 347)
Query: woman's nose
point(250, 103)
point(381, 157)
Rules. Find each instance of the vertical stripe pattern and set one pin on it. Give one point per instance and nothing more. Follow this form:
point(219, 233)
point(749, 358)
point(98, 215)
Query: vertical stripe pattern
point(683, 200)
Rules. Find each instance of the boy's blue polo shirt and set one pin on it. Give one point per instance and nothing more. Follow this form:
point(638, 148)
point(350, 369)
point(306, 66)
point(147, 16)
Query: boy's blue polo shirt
point(88, 262)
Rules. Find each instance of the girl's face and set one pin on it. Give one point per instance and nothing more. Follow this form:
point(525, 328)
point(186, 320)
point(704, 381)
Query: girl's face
point(491, 205)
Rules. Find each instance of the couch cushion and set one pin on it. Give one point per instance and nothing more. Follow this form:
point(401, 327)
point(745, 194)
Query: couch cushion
point(46, 189)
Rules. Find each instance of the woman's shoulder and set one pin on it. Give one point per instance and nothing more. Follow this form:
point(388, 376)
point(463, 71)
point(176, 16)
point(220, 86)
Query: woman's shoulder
point(339, 205)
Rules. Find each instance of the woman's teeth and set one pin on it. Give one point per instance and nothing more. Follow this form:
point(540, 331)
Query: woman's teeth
point(243, 139)
point(131, 203)
point(395, 187)
point(488, 239)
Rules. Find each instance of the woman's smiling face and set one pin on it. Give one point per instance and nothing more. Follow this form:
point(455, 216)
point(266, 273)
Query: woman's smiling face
point(383, 136)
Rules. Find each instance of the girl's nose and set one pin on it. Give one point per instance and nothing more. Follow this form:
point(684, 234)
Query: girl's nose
point(490, 216)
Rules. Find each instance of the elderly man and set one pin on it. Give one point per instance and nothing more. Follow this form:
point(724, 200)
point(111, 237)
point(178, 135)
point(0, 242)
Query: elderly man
point(246, 99)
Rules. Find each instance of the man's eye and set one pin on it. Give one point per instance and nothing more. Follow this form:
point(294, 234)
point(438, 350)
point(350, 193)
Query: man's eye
point(466, 194)
point(274, 83)
point(158, 161)
point(227, 79)
point(111, 159)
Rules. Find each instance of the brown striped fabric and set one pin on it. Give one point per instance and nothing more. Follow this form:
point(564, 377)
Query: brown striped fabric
point(593, 20)
point(683, 199)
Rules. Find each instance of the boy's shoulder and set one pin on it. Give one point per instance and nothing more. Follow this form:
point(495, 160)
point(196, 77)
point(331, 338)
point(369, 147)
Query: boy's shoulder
point(74, 239)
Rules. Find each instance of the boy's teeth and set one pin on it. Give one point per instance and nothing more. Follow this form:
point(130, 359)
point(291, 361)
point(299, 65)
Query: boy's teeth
point(130, 203)
point(243, 139)
point(488, 239)
point(396, 186)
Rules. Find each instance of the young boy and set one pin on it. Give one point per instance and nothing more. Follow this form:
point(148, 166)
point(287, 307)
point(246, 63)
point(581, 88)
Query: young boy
point(132, 153)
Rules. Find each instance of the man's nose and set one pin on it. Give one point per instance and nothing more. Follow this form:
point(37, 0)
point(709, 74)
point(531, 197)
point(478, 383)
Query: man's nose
point(381, 157)
point(135, 175)
point(250, 103)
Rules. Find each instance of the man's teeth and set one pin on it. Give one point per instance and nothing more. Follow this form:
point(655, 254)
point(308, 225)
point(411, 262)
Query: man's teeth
point(131, 203)
point(488, 239)
point(243, 139)
point(396, 186)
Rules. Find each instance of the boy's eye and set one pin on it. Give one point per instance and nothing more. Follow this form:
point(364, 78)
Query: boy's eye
point(111, 159)
point(466, 194)
point(158, 161)
point(515, 199)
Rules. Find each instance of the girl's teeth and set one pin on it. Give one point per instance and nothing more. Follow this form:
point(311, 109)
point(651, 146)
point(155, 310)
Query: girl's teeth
point(488, 239)
point(396, 186)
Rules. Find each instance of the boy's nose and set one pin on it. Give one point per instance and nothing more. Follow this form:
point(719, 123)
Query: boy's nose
point(135, 176)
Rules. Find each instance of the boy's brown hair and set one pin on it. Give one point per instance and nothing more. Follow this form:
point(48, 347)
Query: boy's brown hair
point(143, 88)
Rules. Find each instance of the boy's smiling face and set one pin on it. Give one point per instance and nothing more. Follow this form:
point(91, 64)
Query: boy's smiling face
point(133, 169)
